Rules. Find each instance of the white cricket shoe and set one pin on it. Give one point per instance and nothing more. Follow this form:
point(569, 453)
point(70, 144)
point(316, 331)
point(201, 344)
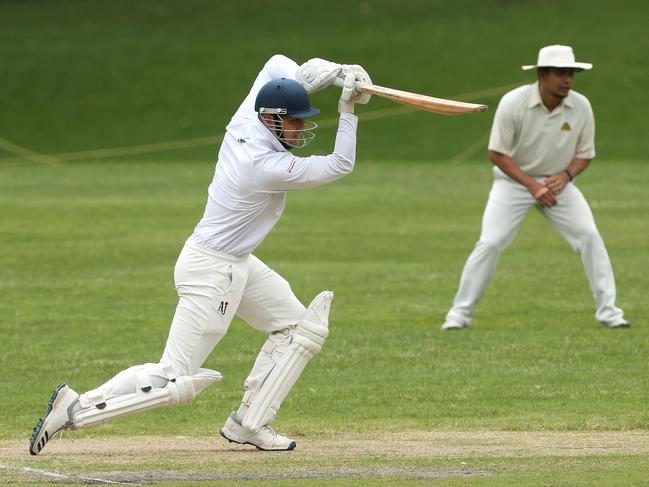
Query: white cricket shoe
point(452, 324)
point(265, 439)
point(55, 419)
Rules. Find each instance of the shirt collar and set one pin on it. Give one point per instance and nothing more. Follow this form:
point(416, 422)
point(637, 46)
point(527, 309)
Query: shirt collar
point(568, 100)
point(535, 98)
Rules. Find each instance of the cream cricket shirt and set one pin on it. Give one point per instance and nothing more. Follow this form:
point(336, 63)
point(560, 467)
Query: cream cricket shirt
point(539, 141)
point(254, 172)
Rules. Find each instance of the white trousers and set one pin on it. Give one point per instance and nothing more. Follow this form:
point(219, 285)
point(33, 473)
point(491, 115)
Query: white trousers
point(212, 288)
point(508, 204)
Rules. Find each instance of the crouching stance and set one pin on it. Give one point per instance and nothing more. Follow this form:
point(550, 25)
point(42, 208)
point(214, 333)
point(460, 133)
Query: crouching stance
point(217, 277)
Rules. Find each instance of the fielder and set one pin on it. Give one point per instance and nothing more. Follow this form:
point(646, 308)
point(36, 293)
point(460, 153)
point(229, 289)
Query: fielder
point(217, 277)
point(543, 137)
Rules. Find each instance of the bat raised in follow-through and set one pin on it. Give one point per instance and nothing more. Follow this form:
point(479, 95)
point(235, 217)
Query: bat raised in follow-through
point(422, 102)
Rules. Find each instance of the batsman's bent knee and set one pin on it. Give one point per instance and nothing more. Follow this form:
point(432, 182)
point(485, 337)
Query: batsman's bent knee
point(307, 339)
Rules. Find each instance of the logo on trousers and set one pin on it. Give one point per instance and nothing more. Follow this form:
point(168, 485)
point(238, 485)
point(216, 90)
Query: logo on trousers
point(223, 307)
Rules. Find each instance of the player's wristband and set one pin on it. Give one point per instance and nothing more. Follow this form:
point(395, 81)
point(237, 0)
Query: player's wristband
point(570, 176)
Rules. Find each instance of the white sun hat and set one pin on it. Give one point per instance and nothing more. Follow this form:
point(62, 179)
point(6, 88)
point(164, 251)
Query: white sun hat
point(557, 57)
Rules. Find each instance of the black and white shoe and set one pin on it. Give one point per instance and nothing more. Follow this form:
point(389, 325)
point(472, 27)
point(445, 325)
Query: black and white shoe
point(55, 419)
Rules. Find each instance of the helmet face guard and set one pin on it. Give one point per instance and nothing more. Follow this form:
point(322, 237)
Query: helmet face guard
point(294, 138)
point(286, 98)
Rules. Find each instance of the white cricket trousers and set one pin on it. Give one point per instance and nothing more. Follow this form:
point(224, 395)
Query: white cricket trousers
point(212, 288)
point(508, 204)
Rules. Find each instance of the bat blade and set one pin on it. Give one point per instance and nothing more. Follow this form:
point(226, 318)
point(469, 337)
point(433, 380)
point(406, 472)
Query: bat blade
point(423, 102)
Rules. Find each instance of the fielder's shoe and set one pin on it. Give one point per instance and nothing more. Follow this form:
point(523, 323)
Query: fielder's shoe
point(452, 324)
point(55, 419)
point(621, 323)
point(264, 439)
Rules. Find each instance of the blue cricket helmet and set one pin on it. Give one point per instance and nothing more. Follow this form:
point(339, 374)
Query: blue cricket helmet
point(284, 97)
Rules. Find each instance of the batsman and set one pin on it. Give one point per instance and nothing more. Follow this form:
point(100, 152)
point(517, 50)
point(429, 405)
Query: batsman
point(217, 277)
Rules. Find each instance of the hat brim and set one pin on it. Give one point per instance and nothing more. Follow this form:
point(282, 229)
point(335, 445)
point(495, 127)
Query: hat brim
point(311, 112)
point(580, 66)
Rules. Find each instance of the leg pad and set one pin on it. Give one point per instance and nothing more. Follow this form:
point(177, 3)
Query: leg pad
point(307, 339)
point(96, 409)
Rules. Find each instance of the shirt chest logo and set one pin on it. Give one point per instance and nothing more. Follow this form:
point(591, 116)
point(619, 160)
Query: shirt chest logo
point(566, 127)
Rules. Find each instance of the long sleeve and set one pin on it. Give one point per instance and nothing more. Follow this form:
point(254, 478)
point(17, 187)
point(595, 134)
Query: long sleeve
point(282, 171)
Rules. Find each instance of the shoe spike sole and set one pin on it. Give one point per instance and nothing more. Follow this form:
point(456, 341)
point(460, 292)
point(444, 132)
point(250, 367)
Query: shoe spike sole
point(39, 426)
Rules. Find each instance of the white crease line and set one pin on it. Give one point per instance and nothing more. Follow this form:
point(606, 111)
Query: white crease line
point(57, 475)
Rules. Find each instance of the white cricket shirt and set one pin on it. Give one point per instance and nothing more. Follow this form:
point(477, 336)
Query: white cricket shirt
point(254, 172)
point(541, 142)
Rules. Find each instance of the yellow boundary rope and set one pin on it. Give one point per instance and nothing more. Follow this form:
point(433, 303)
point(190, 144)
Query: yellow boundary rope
point(27, 155)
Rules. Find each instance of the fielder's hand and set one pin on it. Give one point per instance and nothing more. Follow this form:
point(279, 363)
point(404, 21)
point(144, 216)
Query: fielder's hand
point(557, 182)
point(544, 196)
point(316, 74)
point(361, 76)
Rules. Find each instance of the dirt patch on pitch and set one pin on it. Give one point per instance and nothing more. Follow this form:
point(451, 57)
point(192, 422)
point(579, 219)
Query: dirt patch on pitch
point(156, 459)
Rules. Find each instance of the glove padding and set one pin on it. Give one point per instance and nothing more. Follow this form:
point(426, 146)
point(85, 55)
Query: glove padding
point(348, 96)
point(360, 76)
point(316, 74)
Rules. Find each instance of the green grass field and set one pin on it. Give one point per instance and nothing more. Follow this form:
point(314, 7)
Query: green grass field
point(87, 291)
point(110, 117)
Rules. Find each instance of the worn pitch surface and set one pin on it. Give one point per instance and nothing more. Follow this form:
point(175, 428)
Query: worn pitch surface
point(152, 459)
